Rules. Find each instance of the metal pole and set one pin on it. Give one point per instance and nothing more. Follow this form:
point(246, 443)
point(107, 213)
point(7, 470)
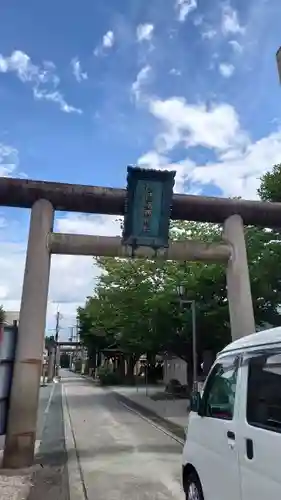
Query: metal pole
point(194, 344)
point(56, 341)
point(194, 339)
point(146, 369)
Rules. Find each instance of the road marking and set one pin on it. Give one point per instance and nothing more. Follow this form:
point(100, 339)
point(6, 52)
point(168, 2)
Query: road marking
point(47, 409)
point(157, 426)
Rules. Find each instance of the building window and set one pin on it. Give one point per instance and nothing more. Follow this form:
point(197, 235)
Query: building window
point(264, 392)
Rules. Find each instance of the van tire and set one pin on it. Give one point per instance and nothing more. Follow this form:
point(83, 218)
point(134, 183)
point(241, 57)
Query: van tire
point(193, 479)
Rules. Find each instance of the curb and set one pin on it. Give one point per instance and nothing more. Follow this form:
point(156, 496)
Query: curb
point(171, 427)
point(75, 476)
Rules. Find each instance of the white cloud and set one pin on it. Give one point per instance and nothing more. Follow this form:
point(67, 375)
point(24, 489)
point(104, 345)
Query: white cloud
point(238, 173)
point(239, 162)
point(237, 47)
point(198, 20)
point(175, 72)
point(144, 32)
point(108, 39)
point(56, 97)
point(156, 161)
point(77, 71)
point(72, 277)
point(8, 160)
point(216, 126)
point(230, 21)
point(103, 225)
point(226, 70)
point(43, 79)
point(107, 43)
point(209, 34)
point(184, 7)
point(21, 64)
point(141, 79)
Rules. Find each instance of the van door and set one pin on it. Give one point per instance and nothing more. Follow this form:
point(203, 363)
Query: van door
point(259, 434)
point(211, 437)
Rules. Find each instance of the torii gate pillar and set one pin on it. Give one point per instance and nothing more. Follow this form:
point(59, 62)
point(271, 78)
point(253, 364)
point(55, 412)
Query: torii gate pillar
point(240, 302)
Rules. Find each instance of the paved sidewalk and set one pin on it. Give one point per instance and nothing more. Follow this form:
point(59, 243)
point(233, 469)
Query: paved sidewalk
point(172, 410)
point(16, 484)
point(50, 479)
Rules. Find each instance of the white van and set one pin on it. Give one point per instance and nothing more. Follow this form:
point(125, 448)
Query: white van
point(233, 441)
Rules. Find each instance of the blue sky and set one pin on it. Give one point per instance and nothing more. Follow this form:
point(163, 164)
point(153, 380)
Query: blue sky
point(88, 87)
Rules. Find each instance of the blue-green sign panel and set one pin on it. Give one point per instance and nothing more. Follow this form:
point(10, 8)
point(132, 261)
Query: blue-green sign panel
point(148, 207)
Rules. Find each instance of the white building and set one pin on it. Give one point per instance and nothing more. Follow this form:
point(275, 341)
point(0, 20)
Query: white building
point(174, 368)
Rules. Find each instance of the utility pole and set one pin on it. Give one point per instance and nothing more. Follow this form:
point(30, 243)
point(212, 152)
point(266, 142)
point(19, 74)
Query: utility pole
point(71, 340)
point(57, 330)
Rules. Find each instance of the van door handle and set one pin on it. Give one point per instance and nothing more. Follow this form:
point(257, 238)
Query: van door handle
point(231, 435)
point(250, 449)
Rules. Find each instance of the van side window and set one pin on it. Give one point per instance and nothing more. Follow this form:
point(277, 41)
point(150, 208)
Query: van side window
point(219, 395)
point(264, 392)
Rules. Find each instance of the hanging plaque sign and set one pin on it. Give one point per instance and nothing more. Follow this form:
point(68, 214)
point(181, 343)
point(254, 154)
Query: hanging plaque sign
point(148, 207)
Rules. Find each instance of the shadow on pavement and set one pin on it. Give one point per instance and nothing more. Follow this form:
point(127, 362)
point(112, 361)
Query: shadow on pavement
point(104, 450)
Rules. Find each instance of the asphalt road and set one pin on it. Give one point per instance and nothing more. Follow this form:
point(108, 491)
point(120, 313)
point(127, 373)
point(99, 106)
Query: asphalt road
point(119, 455)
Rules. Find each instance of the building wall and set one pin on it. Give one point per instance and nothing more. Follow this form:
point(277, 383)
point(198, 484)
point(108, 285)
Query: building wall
point(175, 368)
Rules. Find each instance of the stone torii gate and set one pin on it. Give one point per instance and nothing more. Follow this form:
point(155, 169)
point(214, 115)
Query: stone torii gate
point(43, 198)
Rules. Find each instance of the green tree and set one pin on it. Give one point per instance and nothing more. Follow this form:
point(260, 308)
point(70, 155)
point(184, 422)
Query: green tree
point(2, 314)
point(136, 306)
point(49, 342)
point(270, 187)
point(92, 330)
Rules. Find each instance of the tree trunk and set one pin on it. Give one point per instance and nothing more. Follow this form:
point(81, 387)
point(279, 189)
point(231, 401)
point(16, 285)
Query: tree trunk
point(91, 361)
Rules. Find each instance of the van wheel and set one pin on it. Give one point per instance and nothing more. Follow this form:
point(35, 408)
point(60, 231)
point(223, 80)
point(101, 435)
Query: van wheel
point(193, 488)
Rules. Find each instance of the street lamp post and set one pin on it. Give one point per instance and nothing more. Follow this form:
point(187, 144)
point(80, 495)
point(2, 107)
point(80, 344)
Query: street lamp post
point(182, 293)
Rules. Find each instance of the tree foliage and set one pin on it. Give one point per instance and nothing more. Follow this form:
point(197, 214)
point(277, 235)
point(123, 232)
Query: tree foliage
point(135, 305)
point(2, 314)
point(270, 187)
point(49, 342)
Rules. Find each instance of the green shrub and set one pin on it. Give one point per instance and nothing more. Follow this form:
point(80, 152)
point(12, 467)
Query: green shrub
point(108, 377)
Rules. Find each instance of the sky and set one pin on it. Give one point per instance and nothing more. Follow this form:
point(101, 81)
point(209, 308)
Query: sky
point(89, 87)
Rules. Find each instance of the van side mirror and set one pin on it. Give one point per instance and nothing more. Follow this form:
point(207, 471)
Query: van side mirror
point(195, 401)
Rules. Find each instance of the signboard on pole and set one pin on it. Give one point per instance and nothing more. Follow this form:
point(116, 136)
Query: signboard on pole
point(148, 208)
